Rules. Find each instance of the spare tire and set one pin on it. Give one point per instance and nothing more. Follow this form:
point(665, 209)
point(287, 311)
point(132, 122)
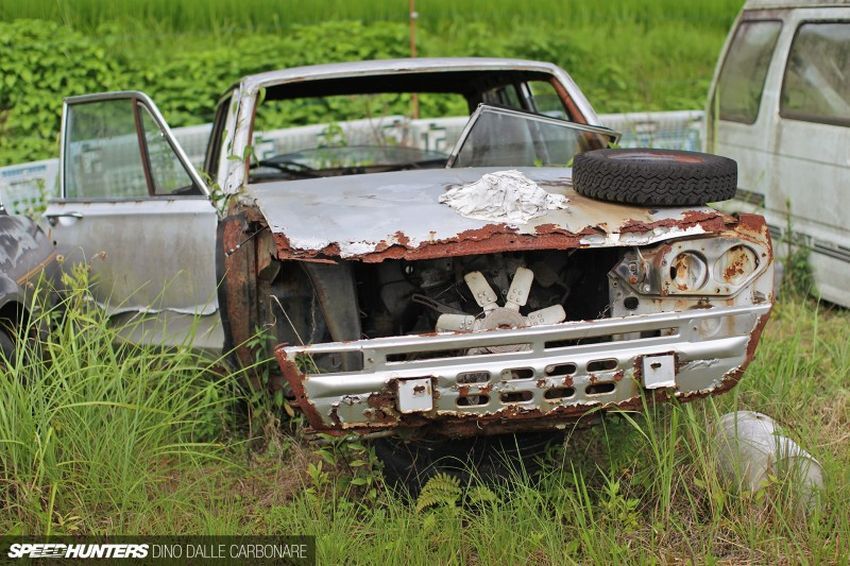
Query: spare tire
point(655, 177)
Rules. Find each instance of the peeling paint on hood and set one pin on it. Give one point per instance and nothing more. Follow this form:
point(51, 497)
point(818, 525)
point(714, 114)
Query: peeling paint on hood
point(377, 216)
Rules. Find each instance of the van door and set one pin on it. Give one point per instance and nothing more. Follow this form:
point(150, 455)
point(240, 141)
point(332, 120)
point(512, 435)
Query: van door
point(136, 211)
point(811, 151)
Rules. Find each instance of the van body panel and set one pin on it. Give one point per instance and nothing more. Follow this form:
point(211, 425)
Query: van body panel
point(788, 165)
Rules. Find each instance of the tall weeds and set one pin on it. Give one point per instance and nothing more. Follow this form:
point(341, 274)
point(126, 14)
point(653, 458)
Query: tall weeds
point(89, 425)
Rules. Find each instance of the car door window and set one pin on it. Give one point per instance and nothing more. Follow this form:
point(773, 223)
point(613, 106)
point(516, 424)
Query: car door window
point(742, 76)
point(115, 148)
point(816, 87)
point(167, 173)
point(102, 158)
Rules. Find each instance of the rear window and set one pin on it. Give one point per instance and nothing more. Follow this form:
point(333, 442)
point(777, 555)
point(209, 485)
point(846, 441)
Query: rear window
point(741, 81)
point(817, 78)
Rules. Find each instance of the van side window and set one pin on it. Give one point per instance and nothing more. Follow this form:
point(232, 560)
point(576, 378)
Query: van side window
point(817, 78)
point(741, 80)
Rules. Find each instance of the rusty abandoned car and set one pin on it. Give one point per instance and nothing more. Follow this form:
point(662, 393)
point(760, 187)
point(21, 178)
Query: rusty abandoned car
point(509, 277)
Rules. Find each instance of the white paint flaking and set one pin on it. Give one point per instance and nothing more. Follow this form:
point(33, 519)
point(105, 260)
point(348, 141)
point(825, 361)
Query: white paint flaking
point(503, 196)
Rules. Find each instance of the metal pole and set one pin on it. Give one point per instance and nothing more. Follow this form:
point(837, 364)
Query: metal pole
point(414, 99)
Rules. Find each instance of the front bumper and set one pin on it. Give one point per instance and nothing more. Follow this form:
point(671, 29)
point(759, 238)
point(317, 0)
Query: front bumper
point(561, 373)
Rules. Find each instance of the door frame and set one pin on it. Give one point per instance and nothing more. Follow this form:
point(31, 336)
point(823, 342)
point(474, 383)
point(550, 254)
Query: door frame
point(136, 97)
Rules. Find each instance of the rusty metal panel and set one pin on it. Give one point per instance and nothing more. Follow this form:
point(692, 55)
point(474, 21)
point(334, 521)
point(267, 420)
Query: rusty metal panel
point(398, 215)
point(520, 384)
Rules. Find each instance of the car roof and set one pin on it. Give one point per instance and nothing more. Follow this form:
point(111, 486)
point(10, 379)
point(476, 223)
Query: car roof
point(772, 4)
point(391, 66)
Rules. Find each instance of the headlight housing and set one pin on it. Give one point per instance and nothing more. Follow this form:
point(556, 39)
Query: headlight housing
point(718, 266)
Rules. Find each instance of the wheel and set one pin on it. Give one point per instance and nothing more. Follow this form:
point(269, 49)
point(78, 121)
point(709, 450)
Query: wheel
point(655, 177)
point(408, 465)
point(7, 347)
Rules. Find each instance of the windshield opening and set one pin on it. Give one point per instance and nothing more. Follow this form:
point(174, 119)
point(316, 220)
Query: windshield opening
point(350, 134)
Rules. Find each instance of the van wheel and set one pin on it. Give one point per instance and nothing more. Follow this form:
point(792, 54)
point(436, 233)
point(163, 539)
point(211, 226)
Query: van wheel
point(408, 465)
point(655, 177)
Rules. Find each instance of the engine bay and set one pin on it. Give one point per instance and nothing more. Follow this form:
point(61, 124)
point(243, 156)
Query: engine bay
point(508, 290)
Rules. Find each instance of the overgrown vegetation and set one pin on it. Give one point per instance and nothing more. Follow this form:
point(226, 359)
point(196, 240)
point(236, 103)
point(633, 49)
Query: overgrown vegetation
point(104, 438)
point(90, 427)
point(626, 55)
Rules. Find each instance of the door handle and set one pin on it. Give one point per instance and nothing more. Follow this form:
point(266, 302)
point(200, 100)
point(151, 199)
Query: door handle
point(53, 218)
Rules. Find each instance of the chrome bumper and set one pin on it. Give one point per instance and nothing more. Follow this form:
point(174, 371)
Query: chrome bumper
point(562, 371)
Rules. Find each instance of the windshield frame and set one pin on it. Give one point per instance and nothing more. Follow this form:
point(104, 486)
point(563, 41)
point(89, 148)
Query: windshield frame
point(467, 130)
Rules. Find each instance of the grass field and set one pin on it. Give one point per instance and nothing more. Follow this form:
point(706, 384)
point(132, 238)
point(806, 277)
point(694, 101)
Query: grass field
point(129, 440)
point(626, 55)
point(277, 15)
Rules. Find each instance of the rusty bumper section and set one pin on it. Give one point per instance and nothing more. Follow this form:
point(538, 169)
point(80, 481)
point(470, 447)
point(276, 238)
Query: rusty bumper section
point(524, 379)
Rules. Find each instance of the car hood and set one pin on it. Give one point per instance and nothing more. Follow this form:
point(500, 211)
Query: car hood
point(379, 216)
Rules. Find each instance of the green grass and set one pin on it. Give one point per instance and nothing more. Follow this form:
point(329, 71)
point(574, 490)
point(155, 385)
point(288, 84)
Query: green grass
point(277, 15)
point(104, 439)
point(90, 429)
point(626, 55)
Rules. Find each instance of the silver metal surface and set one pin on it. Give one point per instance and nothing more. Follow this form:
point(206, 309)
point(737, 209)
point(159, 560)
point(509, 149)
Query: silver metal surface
point(343, 399)
point(147, 255)
point(792, 171)
point(659, 371)
point(415, 395)
point(368, 212)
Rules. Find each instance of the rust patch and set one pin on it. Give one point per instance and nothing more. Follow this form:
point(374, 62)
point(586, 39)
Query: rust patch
point(296, 381)
point(238, 271)
point(710, 221)
point(494, 238)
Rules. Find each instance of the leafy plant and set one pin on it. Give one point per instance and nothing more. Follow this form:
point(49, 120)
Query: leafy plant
point(442, 490)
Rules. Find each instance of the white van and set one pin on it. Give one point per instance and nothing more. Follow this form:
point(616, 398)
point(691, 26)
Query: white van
point(780, 105)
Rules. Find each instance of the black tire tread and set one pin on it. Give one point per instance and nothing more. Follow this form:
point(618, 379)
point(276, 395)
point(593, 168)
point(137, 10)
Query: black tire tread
point(655, 183)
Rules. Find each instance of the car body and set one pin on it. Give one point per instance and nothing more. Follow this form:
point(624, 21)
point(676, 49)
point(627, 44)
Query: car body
point(373, 291)
point(780, 106)
point(26, 252)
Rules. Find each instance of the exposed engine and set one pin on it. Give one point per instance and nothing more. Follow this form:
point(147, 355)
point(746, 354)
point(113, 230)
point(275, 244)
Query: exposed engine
point(509, 290)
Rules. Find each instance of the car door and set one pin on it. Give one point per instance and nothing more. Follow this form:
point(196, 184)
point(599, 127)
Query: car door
point(136, 211)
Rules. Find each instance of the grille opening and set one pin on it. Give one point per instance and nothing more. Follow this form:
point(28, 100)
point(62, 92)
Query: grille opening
point(472, 400)
point(600, 388)
point(568, 343)
point(473, 377)
point(602, 365)
point(518, 373)
point(517, 397)
point(561, 369)
point(413, 356)
point(331, 362)
point(659, 332)
point(559, 393)
point(437, 354)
